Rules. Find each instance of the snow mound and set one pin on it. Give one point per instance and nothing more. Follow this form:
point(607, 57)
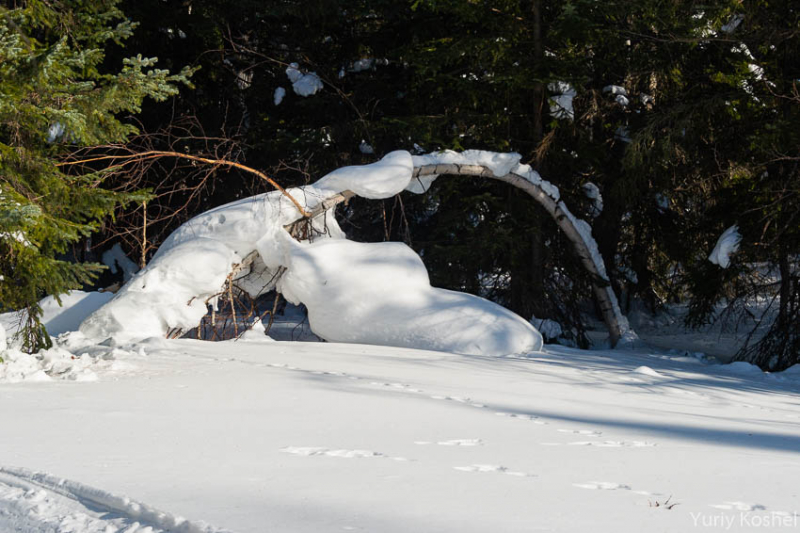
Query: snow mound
point(57, 319)
point(380, 293)
point(727, 245)
point(192, 265)
point(34, 502)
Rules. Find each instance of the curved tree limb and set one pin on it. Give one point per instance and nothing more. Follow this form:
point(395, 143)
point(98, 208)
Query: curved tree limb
point(154, 154)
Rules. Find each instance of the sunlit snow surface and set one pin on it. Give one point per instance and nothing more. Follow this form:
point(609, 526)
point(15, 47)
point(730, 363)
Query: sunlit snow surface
point(272, 436)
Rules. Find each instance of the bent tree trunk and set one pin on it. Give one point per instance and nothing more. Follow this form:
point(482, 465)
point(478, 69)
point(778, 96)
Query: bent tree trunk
point(584, 245)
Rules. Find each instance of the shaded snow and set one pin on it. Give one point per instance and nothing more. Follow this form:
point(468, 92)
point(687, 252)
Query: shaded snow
point(278, 95)
point(365, 148)
point(561, 100)
point(619, 93)
point(57, 319)
point(303, 84)
point(550, 329)
point(592, 192)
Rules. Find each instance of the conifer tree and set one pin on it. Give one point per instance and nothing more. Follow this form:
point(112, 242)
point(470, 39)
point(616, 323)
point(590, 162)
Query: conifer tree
point(56, 94)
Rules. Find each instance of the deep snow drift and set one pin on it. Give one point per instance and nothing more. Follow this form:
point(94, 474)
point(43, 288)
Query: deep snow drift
point(362, 293)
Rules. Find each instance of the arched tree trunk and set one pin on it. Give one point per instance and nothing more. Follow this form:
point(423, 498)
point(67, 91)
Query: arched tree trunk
point(577, 231)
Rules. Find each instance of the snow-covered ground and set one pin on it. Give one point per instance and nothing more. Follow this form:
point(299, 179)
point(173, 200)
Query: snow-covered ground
point(254, 436)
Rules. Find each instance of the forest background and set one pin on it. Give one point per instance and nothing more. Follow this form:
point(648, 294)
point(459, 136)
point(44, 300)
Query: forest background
point(681, 115)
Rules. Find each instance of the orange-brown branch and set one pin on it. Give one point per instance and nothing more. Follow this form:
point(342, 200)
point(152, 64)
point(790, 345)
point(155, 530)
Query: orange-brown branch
point(154, 154)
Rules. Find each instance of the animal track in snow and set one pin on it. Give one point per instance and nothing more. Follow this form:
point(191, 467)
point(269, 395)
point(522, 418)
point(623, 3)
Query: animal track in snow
point(310, 451)
point(458, 399)
point(453, 442)
point(602, 485)
point(584, 432)
point(614, 444)
point(461, 442)
point(531, 418)
point(396, 386)
point(739, 506)
point(492, 468)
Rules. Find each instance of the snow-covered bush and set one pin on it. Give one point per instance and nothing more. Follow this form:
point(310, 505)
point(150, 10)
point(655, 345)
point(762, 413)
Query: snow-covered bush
point(355, 292)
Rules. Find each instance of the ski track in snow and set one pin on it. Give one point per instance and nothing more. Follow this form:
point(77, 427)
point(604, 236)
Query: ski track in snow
point(34, 502)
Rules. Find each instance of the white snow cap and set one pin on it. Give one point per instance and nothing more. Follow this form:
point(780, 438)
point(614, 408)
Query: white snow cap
point(379, 293)
point(277, 96)
point(499, 163)
point(303, 84)
point(527, 172)
point(727, 244)
point(3, 343)
point(615, 90)
point(619, 93)
point(389, 176)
